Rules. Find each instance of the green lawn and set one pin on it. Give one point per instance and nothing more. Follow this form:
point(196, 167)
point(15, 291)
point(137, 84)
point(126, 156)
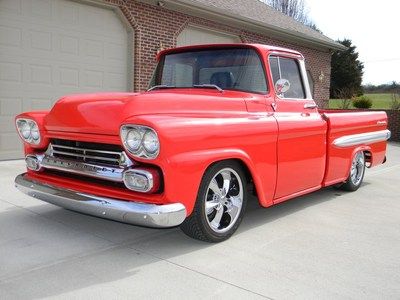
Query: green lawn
point(378, 101)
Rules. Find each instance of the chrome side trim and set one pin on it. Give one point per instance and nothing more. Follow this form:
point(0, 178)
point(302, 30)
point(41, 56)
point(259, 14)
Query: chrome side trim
point(150, 215)
point(362, 138)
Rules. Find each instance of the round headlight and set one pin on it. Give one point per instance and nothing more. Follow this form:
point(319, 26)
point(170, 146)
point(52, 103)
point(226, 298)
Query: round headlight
point(35, 132)
point(25, 129)
point(140, 141)
point(150, 142)
point(29, 131)
point(133, 139)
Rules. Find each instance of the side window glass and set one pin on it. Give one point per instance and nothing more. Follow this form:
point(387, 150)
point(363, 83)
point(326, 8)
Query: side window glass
point(311, 82)
point(274, 63)
point(288, 68)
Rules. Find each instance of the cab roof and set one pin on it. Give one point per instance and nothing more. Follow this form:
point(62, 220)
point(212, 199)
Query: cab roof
point(260, 47)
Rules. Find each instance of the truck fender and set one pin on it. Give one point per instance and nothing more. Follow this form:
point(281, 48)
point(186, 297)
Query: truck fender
point(195, 163)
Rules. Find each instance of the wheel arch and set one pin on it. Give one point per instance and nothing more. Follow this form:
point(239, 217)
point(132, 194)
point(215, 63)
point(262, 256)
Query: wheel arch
point(249, 172)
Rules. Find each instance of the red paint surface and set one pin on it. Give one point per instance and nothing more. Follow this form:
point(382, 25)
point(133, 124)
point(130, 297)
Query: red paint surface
point(288, 152)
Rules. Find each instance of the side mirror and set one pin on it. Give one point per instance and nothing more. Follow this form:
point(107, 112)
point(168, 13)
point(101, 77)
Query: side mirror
point(282, 86)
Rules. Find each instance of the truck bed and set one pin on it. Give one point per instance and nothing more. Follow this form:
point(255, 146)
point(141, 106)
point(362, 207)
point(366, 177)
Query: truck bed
point(345, 126)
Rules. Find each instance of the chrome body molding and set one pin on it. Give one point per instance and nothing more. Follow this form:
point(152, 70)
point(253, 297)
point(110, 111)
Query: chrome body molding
point(143, 214)
point(362, 138)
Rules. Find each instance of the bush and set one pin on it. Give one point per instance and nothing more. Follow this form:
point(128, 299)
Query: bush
point(362, 102)
point(395, 102)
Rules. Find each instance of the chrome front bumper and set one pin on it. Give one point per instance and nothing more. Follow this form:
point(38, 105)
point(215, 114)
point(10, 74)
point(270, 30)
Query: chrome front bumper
point(149, 215)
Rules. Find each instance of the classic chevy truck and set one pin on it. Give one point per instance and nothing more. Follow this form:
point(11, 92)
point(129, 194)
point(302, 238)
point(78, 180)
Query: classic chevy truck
point(217, 123)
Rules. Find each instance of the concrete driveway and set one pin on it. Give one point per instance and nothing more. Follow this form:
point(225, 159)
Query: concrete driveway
point(329, 244)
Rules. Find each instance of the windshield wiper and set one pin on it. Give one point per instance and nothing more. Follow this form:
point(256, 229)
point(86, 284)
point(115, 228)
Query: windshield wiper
point(208, 86)
point(161, 86)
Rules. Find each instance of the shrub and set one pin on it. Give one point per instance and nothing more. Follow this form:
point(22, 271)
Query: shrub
point(362, 102)
point(395, 102)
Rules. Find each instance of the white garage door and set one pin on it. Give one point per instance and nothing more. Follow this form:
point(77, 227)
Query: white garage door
point(49, 48)
point(197, 36)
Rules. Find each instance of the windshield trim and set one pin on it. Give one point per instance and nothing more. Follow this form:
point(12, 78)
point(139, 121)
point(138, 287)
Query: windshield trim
point(161, 62)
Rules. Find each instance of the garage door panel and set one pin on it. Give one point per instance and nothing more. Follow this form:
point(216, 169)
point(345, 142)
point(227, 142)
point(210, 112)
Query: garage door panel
point(10, 106)
point(7, 124)
point(50, 48)
point(10, 72)
point(9, 142)
point(42, 8)
point(197, 36)
point(69, 77)
point(10, 36)
point(13, 6)
point(69, 45)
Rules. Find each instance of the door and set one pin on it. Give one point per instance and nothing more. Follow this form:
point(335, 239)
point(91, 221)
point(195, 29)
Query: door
point(52, 48)
point(302, 131)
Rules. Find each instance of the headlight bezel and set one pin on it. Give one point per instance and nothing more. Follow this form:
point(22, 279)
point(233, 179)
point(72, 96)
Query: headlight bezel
point(141, 151)
point(32, 126)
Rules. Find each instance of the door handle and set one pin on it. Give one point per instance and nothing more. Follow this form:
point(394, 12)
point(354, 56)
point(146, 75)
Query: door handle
point(310, 106)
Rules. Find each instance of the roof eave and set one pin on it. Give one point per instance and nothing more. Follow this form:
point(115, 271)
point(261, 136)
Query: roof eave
point(197, 9)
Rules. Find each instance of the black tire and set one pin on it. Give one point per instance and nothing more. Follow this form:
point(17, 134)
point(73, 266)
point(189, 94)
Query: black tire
point(198, 225)
point(351, 184)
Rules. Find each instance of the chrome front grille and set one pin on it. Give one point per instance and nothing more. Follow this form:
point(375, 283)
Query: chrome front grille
point(102, 161)
point(93, 153)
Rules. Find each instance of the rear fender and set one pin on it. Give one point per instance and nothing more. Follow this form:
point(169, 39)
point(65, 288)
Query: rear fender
point(355, 150)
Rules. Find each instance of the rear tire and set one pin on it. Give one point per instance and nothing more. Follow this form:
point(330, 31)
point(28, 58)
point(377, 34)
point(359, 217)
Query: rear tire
point(356, 176)
point(220, 204)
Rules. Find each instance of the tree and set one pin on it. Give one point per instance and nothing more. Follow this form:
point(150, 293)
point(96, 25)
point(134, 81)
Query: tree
point(295, 9)
point(347, 71)
point(292, 8)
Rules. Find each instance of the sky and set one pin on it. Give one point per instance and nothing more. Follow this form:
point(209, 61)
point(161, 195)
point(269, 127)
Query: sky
point(374, 28)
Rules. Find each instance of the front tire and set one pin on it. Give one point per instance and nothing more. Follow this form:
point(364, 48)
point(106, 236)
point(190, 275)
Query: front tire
point(357, 171)
point(220, 204)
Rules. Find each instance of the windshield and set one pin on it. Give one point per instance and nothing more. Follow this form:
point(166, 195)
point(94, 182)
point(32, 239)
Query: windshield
point(229, 69)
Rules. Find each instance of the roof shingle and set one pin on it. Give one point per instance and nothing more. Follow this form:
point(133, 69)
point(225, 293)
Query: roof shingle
point(262, 13)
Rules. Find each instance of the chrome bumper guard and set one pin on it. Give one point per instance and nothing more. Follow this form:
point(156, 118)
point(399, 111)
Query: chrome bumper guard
point(149, 215)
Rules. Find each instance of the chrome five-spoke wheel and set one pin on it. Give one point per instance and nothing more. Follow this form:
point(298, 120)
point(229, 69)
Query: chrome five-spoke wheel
point(224, 200)
point(220, 203)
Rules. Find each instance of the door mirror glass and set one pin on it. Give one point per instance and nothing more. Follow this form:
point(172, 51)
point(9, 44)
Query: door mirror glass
point(282, 86)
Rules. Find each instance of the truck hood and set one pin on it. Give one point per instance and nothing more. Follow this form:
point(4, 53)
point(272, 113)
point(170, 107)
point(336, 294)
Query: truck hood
point(104, 113)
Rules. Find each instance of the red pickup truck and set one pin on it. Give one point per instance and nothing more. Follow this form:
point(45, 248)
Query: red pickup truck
point(218, 122)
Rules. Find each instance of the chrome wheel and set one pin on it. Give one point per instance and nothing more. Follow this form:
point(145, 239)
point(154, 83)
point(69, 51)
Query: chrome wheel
point(224, 200)
point(357, 168)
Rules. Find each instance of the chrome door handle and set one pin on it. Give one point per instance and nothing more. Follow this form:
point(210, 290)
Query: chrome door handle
point(310, 106)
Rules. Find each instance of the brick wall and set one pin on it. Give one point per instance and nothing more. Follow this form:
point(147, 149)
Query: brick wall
point(394, 124)
point(154, 25)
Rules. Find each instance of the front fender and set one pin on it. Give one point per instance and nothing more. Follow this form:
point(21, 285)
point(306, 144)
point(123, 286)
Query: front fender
point(190, 144)
point(187, 170)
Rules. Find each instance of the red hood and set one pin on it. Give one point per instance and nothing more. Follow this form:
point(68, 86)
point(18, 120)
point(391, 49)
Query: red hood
point(104, 113)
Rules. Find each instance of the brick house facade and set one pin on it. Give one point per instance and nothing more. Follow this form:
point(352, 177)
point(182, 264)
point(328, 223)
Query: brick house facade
point(53, 48)
point(156, 26)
